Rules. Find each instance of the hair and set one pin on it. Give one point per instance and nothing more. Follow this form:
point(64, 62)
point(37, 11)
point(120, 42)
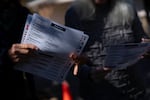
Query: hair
point(85, 8)
point(121, 9)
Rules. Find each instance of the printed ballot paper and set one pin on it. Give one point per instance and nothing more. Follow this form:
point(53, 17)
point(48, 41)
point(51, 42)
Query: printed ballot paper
point(124, 55)
point(55, 42)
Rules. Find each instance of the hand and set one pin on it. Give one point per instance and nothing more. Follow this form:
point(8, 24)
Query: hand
point(145, 40)
point(147, 54)
point(78, 60)
point(19, 52)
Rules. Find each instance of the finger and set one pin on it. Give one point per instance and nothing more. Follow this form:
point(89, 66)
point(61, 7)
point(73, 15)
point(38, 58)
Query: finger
point(13, 52)
point(20, 58)
point(141, 57)
point(75, 71)
point(145, 40)
point(15, 58)
point(24, 46)
point(106, 69)
point(22, 51)
point(73, 56)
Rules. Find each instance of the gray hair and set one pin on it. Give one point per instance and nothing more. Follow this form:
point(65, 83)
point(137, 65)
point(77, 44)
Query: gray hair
point(122, 13)
point(121, 9)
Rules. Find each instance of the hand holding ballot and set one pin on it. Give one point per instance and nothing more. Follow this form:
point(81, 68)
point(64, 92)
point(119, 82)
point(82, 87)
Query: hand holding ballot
point(18, 52)
point(124, 55)
point(96, 73)
point(51, 43)
point(117, 57)
point(79, 60)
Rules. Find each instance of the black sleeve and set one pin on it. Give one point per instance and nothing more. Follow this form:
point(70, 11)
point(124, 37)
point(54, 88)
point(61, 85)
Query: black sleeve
point(138, 29)
point(84, 72)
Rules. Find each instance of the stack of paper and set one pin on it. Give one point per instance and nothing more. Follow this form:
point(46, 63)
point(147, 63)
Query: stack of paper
point(55, 42)
point(125, 55)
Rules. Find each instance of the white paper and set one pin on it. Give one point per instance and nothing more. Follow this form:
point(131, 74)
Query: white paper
point(55, 42)
point(26, 28)
point(122, 56)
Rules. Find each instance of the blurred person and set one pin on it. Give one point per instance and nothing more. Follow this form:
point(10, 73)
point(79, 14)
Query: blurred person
point(14, 85)
point(142, 12)
point(147, 71)
point(44, 7)
point(147, 7)
point(51, 9)
point(107, 22)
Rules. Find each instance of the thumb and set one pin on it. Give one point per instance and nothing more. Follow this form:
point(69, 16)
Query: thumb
point(145, 40)
point(75, 70)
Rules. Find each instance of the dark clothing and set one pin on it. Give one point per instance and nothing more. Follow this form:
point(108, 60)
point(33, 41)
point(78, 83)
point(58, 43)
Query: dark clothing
point(13, 85)
point(120, 84)
point(147, 8)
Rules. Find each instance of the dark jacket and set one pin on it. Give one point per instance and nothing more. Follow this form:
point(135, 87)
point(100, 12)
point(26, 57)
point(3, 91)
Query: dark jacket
point(100, 36)
point(12, 20)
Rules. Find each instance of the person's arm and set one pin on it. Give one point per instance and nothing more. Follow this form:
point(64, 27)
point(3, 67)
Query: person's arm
point(138, 29)
point(81, 69)
point(86, 72)
point(140, 35)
